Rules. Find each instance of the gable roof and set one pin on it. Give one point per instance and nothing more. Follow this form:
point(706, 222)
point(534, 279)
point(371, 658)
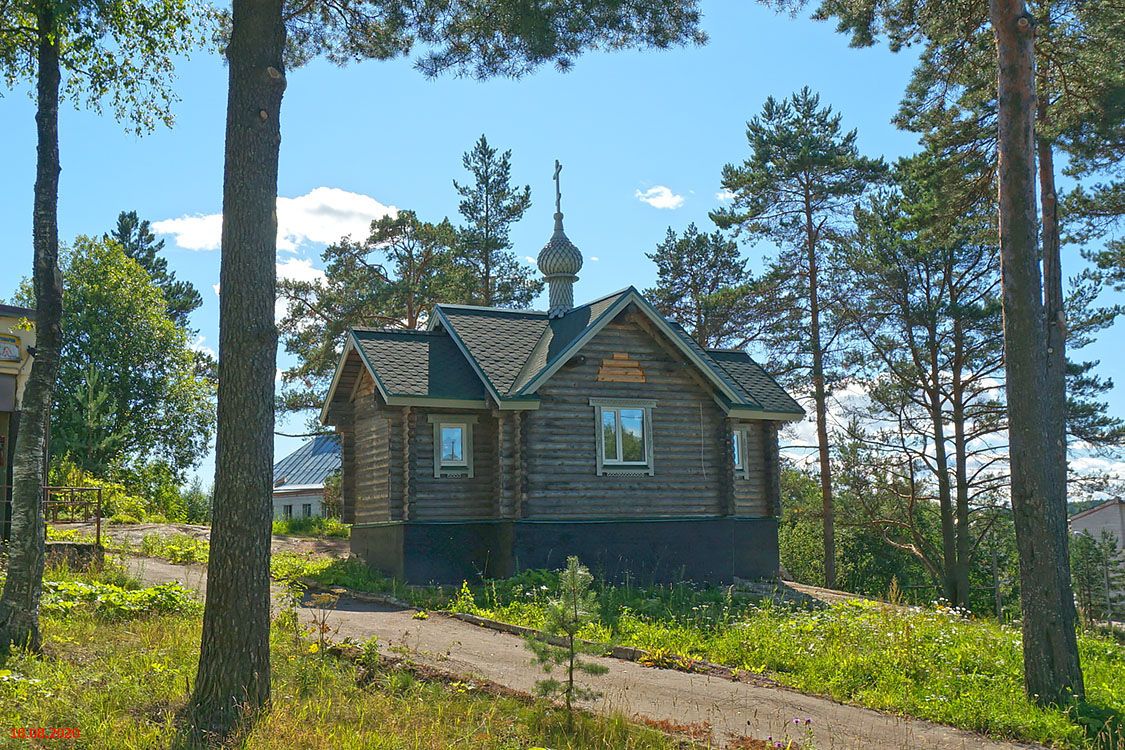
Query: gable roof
point(309, 465)
point(417, 363)
point(478, 354)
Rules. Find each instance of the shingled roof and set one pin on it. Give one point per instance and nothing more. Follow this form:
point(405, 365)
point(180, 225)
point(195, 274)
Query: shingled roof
point(309, 465)
point(472, 353)
point(418, 363)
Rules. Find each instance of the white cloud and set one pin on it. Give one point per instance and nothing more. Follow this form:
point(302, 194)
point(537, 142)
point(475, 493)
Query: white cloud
point(595, 258)
point(216, 288)
point(298, 269)
point(199, 232)
point(530, 260)
point(199, 344)
point(323, 215)
point(724, 195)
point(660, 196)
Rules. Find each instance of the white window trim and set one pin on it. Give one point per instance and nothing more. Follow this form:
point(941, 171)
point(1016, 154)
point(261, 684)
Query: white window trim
point(611, 466)
point(460, 468)
point(742, 467)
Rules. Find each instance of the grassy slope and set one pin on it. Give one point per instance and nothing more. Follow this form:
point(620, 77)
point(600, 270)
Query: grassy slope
point(122, 680)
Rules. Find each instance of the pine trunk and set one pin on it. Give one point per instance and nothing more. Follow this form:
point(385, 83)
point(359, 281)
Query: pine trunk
point(1051, 669)
point(19, 604)
point(1054, 312)
point(961, 475)
point(820, 396)
point(233, 683)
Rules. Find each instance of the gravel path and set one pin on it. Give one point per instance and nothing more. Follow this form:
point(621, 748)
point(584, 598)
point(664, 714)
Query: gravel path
point(732, 708)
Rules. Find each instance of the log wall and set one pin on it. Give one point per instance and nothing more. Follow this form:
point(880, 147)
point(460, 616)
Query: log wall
point(688, 436)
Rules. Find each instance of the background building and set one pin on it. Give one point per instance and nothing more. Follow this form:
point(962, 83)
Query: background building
point(298, 479)
point(17, 336)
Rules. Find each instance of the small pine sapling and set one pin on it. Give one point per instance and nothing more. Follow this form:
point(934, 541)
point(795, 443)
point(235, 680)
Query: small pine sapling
point(566, 614)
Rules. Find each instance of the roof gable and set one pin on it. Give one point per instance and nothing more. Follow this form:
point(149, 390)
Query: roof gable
point(498, 342)
point(417, 363)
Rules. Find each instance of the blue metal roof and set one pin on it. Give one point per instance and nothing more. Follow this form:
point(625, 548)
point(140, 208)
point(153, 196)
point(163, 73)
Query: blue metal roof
point(309, 465)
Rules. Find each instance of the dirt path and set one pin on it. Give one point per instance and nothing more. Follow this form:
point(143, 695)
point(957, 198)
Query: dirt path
point(732, 708)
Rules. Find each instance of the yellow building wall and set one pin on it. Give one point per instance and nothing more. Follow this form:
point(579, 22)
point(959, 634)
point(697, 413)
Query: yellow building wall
point(23, 329)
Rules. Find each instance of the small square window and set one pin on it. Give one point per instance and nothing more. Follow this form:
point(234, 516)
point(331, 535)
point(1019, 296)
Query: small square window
point(453, 445)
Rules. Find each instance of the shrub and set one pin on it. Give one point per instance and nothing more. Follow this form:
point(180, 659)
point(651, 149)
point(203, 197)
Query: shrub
point(110, 602)
point(313, 526)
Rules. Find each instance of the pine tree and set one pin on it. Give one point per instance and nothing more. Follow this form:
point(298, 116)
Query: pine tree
point(142, 246)
point(391, 279)
point(233, 680)
point(924, 289)
point(703, 284)
point(490, 206)
point(797, 189)
point(1033, 315)
point(575, 607)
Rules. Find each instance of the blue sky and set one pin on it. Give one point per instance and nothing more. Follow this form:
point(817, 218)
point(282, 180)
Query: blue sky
point(625, 125)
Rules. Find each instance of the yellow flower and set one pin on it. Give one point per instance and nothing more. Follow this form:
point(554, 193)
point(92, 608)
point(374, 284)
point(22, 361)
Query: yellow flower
point(314, 647)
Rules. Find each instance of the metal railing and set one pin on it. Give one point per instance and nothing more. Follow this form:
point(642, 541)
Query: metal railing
point(74, 504)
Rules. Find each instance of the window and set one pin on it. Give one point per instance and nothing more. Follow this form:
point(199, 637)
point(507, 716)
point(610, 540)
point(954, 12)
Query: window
point(741, 449)
point(306, 510)
point(453, 444)
point(287, 512)
point(624, 436)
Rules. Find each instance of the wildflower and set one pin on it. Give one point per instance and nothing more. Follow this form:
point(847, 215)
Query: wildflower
point(314, 647)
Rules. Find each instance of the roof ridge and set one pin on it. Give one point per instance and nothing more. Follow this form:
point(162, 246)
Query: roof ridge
point(388, 329)
point(482, 308)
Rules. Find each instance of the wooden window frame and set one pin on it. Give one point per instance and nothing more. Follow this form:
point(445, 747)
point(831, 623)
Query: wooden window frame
point(287, 511)
point(634, 468)
point(460, 469)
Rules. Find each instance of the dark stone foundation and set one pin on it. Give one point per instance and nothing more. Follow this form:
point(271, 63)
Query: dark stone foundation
point(706, 550)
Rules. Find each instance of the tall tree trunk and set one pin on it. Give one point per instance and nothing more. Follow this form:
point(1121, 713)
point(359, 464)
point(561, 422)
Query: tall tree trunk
point(233, 683)
point(1051, 669)
point(1053, 311)
point(945, 500)
point(961, 474)
point(19, 604)
point(820, 396)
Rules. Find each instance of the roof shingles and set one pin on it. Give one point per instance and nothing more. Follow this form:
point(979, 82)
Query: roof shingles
point(418, 363)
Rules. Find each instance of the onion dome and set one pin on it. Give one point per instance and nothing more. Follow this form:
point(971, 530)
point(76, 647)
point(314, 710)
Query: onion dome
point(559, 261)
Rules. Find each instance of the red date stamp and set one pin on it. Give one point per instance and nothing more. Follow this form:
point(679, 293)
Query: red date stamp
point(45, 733)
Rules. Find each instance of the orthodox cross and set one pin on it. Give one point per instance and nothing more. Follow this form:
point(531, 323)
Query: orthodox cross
point(558, 191)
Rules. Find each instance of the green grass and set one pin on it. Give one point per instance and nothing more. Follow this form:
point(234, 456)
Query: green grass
point(121, 681)
point(314, 527)
point(933, 663)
